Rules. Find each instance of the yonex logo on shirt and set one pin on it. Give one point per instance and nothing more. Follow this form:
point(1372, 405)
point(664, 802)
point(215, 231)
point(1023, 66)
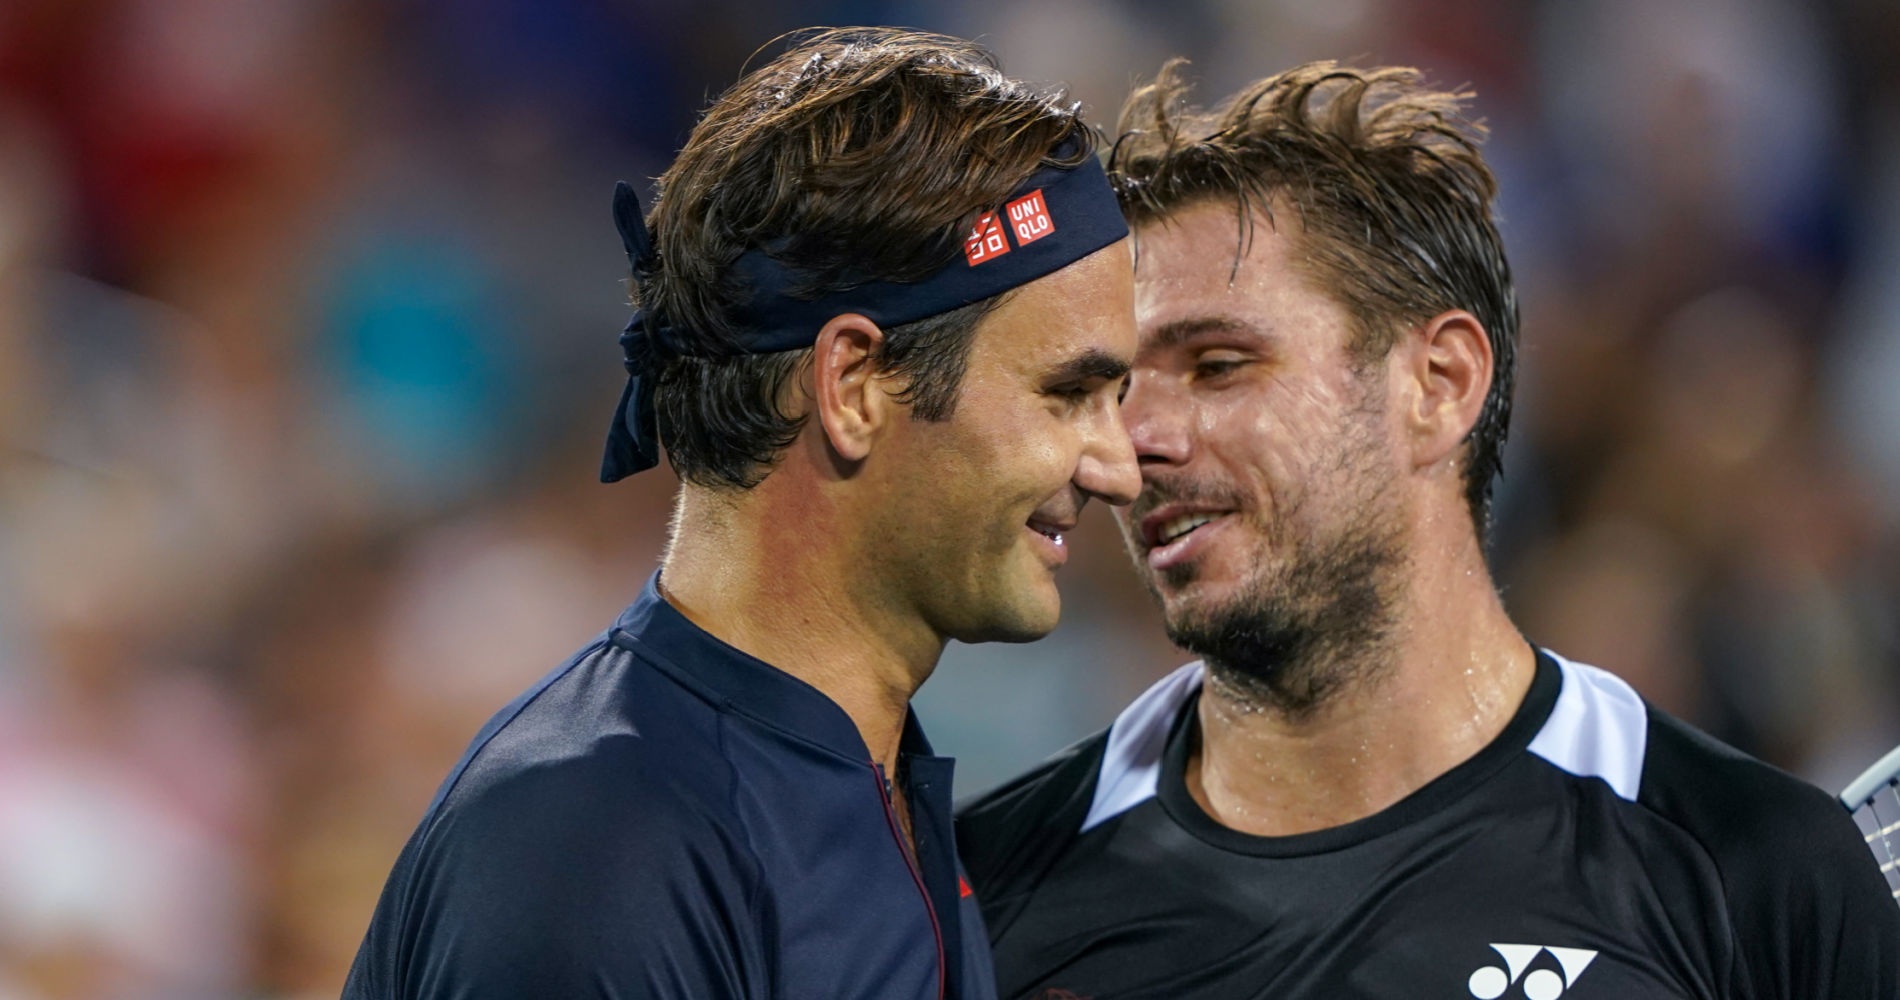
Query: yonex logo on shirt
point(1491, 982)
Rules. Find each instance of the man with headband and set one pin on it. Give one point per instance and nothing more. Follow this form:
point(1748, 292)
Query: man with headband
point(885, 312)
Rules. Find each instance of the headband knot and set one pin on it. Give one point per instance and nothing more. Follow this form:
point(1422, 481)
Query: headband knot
point(633, 443)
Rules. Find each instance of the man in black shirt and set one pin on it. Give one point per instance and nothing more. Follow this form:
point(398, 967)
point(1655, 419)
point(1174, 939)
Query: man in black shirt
point(1371, 785)
point(885, 315)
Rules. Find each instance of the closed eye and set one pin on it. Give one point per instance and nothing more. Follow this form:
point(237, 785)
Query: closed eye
point(1216, 364)
point(1079, 392)
point(1077, 379)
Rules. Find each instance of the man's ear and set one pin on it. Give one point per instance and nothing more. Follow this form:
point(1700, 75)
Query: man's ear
point(848, 399)
point(1451, 364)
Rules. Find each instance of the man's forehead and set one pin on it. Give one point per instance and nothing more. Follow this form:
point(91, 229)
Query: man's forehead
point(1208, 243)
point(1083, 309)
point(1195, 296)
point(1201, 271)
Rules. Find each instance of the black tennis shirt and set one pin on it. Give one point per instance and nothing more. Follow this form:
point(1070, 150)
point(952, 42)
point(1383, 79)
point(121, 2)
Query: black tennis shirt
point(1597, 848)
point(666, 816)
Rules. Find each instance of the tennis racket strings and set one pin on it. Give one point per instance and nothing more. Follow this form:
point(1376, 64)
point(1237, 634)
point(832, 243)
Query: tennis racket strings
point(1874, 800)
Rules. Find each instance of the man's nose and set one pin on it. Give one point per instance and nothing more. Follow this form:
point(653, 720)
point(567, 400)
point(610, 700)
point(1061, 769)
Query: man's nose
point(1107, 469)
point(1156, 419)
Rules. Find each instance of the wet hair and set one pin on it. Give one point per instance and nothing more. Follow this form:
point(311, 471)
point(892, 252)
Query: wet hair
point(1392, 194)
point(857, 155)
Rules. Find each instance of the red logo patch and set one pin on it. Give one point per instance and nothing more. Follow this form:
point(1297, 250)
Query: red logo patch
point(986, 240)
point(1029, 217)
point(963, 888)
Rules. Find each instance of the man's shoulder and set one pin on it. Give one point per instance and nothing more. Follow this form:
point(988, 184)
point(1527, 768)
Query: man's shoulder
point(599, 766)
point(1810, 912)
point(1741, 809)
point(604, 738)
point(1038, 799)
point(1787, 859)
point(597, 792)
point(1600, 727)
point(1010, 838)
point(1091, 781)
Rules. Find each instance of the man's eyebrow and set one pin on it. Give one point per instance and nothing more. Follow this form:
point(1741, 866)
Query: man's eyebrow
point(1182, 330)
point(1092, 363)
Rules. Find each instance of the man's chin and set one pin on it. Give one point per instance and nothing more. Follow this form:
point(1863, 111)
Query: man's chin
point(1026, 612)
point(1018, 629)
point(1031, 616)
point(1183, 616)
point(1189, 588)
point(1205, 605)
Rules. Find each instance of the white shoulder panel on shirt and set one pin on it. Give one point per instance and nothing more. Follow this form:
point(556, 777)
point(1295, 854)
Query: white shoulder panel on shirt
point(1599, 728)
point(1131, 762)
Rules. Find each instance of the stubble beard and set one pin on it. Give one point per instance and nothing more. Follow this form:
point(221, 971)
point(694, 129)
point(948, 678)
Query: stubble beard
point(1319, 622)
point(1316, 621)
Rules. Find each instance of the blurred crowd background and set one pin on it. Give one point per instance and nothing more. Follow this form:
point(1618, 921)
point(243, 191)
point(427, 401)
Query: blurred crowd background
point(307, 347)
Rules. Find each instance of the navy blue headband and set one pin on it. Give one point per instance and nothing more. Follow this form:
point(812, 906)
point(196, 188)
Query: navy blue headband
point(1057, 217)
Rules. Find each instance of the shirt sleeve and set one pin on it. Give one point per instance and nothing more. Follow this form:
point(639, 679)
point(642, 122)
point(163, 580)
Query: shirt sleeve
point(1812, 913)
point(1808, 913)
point(580, 879)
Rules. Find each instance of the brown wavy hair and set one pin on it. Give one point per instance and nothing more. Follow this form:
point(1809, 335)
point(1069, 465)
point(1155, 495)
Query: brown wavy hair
point(1392, 194)
point(856, 155)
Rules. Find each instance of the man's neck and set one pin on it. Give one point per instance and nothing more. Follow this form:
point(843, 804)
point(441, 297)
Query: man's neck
point(1450, 683)
point(786, 596)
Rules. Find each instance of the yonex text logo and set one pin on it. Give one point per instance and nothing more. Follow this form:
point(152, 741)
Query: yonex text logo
point(986, 240)
point(1491, 982)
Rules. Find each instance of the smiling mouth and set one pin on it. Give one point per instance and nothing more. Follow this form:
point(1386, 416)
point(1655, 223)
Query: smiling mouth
point(1182, 526)
point(1050, 527)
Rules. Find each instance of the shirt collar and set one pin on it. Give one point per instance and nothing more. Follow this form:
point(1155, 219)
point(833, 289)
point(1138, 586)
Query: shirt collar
point(656, 631)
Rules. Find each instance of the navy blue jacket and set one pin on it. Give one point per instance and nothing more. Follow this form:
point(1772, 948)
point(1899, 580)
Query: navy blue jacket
point(665, 816)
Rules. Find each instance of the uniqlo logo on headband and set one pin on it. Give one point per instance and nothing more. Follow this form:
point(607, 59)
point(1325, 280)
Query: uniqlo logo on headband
point(986, 240)
point(1029, 218)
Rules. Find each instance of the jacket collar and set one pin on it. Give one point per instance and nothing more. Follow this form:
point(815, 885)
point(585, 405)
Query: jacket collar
point(656, 631)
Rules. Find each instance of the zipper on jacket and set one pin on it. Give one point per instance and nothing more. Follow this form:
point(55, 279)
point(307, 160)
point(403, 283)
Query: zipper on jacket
point(916, 874)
